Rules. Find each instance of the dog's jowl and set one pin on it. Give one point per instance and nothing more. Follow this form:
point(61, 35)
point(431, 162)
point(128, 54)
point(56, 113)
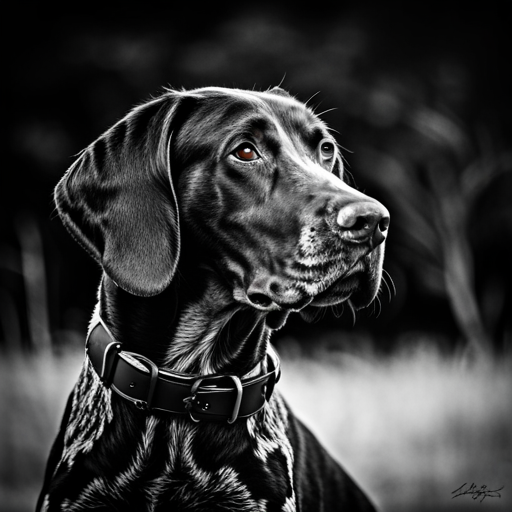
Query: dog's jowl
point(214, 214)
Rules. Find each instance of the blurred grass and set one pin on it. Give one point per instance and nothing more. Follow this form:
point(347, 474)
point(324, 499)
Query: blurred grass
point(410, 427)
point(33, 393)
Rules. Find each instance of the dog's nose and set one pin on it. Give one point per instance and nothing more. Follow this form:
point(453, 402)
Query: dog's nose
point(363, 221)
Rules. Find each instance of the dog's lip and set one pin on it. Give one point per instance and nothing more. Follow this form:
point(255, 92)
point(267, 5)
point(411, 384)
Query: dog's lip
point(341, 290)
point(277, 303)
point(276, 319)
point(297, 305)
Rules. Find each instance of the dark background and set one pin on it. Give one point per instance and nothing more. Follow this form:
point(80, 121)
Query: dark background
point(421, 93)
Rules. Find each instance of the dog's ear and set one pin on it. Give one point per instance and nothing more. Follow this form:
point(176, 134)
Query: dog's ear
point(118, 199)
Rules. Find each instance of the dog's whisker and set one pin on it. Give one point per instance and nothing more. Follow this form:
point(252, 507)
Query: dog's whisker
point(326, 111)
point(352, 310)
point(385, 287)
point(386, 276)
point(311, 97)
point(377, 307)
point(280, 84)
point(338, 310)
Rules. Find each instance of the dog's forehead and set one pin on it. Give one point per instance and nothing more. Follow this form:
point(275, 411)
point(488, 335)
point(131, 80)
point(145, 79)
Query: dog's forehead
point(276, 98)
point(221, 111)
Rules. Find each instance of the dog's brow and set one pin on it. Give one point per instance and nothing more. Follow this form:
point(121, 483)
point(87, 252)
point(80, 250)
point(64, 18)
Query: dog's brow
point(292, 123)
point(300, 123)
point(317, 134)
point(248, 125)
point(273, 132)
point(313, 136)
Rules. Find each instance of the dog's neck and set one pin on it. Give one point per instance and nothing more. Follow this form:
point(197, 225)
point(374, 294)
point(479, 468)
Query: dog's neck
point(204, 331)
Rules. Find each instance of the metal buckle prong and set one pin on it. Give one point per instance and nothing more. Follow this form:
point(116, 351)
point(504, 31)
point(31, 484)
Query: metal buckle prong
point(189, 401)
point(238, 401)
point(153, 369)
point(108, 362)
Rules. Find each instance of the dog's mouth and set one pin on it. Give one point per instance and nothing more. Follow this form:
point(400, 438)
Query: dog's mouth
point(338, 292)
point(333, 285)
point(361, 285)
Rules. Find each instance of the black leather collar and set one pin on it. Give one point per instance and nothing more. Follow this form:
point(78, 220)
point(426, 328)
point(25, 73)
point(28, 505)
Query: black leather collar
point(208, 397)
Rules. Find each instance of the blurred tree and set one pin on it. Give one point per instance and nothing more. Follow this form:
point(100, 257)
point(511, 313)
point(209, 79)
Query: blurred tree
point(435, 184)
point(410, 84)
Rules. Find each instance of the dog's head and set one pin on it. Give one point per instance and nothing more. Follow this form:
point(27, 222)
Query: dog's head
point(248, 184)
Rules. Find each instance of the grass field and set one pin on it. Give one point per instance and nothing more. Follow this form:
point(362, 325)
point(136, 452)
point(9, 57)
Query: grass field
point(411, 427)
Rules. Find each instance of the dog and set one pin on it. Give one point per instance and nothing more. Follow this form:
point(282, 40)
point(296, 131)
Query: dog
point(214, 214)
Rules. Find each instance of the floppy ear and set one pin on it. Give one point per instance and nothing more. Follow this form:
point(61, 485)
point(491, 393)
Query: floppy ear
point(118, 200)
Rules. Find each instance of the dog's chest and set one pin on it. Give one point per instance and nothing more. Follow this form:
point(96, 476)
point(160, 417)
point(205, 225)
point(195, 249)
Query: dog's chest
point(211, 467)
point(175, 464)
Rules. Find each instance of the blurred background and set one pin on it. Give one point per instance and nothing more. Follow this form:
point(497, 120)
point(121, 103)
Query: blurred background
point(421, 99)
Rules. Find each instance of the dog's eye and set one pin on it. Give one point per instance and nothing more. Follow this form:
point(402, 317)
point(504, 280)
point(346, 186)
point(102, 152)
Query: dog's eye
point(327, 149)
point(246, 153)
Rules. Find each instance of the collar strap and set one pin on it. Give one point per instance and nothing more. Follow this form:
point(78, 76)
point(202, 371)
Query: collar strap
point(203, 397)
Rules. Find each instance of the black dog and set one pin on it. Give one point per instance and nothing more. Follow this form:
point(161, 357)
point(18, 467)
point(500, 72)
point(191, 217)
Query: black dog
point(214, 214)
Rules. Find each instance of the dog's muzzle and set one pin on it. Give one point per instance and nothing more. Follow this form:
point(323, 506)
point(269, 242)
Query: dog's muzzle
point(357, 228)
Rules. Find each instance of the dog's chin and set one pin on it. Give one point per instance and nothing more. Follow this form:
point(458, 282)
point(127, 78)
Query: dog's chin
point(360, 288)
point(336, 293)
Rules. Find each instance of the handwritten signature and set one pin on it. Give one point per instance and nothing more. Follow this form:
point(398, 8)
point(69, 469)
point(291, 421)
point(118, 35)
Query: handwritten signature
point(475, 493)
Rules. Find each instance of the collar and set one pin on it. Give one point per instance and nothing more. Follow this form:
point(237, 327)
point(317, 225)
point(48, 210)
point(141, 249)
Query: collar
point(204, 397)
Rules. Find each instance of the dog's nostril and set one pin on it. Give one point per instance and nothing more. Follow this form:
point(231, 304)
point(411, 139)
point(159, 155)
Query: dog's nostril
point(379, 234)
point(384, 224)
point(259, 299)
point(362, 223)
point(377, 238)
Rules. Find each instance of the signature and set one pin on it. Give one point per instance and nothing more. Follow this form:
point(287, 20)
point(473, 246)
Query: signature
point(475, 492)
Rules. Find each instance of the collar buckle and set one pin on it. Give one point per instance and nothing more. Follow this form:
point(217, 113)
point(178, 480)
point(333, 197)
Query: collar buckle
point(193, 399)
point(153, 379)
